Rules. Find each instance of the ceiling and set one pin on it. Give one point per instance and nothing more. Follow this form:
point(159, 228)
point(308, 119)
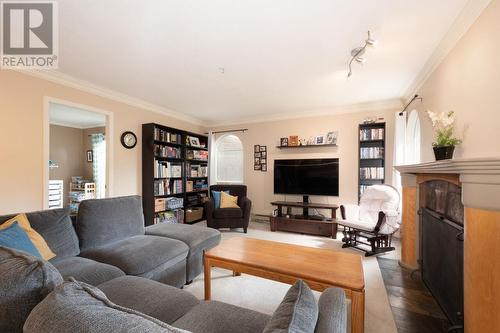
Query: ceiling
point(277, 57)
point(70, 116)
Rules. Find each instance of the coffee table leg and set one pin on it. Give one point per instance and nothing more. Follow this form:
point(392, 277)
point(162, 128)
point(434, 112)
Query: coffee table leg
point(357, 312)
point(235, 273)
point(207, 268)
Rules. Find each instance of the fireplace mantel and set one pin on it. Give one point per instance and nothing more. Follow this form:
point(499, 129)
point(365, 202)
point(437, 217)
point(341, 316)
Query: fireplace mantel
point(480, 178)
point(480, 182)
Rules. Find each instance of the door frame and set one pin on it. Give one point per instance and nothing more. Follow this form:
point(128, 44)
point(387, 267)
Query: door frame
point(46, 144)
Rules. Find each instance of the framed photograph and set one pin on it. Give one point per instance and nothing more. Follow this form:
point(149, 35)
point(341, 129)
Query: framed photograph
point(256, 148)
point(284, 142)
point(256, 166)
point(293, 140)
point(263, 154)
point(263, 161)
point(194, 142)
point(310, 141)
point(90, 156)
point(257, 155)
point(263, 148)
point(263, 167)
point(331, 138)
point(320, 140)
point(256, 160)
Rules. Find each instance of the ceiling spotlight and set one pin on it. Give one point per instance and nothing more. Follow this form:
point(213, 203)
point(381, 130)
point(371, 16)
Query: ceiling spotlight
point(356, 54)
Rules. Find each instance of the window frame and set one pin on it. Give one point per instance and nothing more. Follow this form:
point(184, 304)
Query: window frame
point(218, 141)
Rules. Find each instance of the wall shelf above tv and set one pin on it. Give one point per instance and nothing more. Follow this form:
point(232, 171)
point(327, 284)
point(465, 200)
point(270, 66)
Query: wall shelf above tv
point(307, 146)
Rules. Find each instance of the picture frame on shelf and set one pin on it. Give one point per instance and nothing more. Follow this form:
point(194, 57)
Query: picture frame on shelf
point(193, 141)
point(319, 140)
point(331, 138)
point(293, 140)
point(284, 142)
point(311, 141)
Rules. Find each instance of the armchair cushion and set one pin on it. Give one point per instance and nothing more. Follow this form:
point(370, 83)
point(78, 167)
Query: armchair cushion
point(350, 211)
point(216, 195)
point(224, 213)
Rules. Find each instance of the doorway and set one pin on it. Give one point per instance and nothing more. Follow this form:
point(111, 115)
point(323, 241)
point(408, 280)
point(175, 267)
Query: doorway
point(77, 154)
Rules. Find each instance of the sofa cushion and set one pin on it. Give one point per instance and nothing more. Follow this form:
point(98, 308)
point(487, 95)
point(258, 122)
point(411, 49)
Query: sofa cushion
point(216, 317)
point(298, 312)
point(198, 238)
point(332, 316)
point(35, 237)
point(155, 299)
point(56, 228)
point(138, 255)
point(228, 213)
point(80, 308)
point(104, 221)
point(24, 281)
point(87, 270)
point(16, 238)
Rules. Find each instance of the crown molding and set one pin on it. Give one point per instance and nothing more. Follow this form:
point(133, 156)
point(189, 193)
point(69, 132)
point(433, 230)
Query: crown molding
point(71, 82)
point(467, 16)
point(390, 104)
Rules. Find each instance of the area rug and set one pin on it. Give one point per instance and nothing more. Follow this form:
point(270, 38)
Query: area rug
point(264, 295)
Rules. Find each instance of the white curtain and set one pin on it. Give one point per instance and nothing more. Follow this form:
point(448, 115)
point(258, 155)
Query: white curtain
point(99, 164)
point(399, 146)
point(412, 153)
point(212, 167)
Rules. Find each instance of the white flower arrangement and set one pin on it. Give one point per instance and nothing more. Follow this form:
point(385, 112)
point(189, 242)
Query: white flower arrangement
point(443, 126)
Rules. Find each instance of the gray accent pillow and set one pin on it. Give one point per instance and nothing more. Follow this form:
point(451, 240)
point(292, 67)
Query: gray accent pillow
point(332, 311)
point(25, 280)
point(297, 313)
point(80, 308)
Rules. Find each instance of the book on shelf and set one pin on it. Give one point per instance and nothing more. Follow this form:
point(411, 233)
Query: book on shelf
point(368, 134)
point(196, 170)
point(371, 152)
point(167, 151)
point(165, 136)
point(164, 169)
point(197, 155)
point(167, 186)
point(170, 216)
point(371, 173)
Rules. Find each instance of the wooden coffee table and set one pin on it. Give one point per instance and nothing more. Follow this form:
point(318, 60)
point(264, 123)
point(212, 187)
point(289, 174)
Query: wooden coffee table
point(319, 268)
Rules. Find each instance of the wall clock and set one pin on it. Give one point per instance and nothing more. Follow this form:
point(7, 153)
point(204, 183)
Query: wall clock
point(128, 139)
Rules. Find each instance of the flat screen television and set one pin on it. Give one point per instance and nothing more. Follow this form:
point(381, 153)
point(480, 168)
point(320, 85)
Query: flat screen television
point(307, 176)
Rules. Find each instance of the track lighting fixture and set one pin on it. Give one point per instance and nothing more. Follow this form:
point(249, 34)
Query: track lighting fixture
point(357, 53)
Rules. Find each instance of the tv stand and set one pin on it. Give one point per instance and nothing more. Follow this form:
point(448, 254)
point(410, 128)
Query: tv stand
point(304, 224)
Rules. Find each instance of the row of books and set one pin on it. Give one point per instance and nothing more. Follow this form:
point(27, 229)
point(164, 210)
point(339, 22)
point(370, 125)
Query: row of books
point(196, 185)
point(199, 155)
point(170, 216)
point(196, 170)
point(167, 170)
point(371, 134)
point(371, 173)
point(165, 136)
point(372, 152)
point(168, 186)
point(173, 203)
point(167, 151)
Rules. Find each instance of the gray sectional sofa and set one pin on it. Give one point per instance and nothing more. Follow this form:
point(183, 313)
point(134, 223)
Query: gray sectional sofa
point(109, 240)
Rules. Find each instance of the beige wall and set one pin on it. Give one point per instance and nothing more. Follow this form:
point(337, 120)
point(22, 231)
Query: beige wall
point(468, 82)
point(88, 172)
point(260, 184)
point(21, 138)
point(66, 150)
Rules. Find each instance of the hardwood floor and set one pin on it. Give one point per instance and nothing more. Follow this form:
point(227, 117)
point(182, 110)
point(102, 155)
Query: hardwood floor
point(413, 307)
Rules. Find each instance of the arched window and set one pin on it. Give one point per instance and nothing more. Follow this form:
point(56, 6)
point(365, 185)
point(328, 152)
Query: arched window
point(229, 159)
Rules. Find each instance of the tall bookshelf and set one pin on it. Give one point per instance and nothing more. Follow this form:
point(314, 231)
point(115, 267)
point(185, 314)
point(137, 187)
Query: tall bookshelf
point(173, 167)
point(371, 155)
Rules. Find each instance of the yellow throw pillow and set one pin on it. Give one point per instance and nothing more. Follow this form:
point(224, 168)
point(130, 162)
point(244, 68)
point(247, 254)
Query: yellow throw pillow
point(35, 237)
point(228, 201)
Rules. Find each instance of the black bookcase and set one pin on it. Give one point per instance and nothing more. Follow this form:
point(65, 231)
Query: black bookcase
point(172, 167)
point(371, 155)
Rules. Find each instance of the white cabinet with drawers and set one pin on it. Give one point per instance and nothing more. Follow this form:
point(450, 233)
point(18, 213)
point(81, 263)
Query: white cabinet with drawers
point(56, 192)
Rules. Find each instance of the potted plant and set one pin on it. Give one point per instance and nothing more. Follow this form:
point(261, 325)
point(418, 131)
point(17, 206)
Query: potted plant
point(445, 143)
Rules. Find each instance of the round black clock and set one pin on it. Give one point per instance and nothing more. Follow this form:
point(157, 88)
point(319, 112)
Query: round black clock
point(128, 139)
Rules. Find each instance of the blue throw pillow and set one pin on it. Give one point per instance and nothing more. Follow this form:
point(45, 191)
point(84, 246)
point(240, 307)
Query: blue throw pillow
point(216, 196)
point(16, 238)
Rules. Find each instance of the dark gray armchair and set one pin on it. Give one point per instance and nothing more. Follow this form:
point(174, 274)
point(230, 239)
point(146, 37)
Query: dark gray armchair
point(229, 217)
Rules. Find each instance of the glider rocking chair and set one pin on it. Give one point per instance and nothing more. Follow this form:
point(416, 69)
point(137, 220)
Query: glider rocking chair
point(373, 222)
